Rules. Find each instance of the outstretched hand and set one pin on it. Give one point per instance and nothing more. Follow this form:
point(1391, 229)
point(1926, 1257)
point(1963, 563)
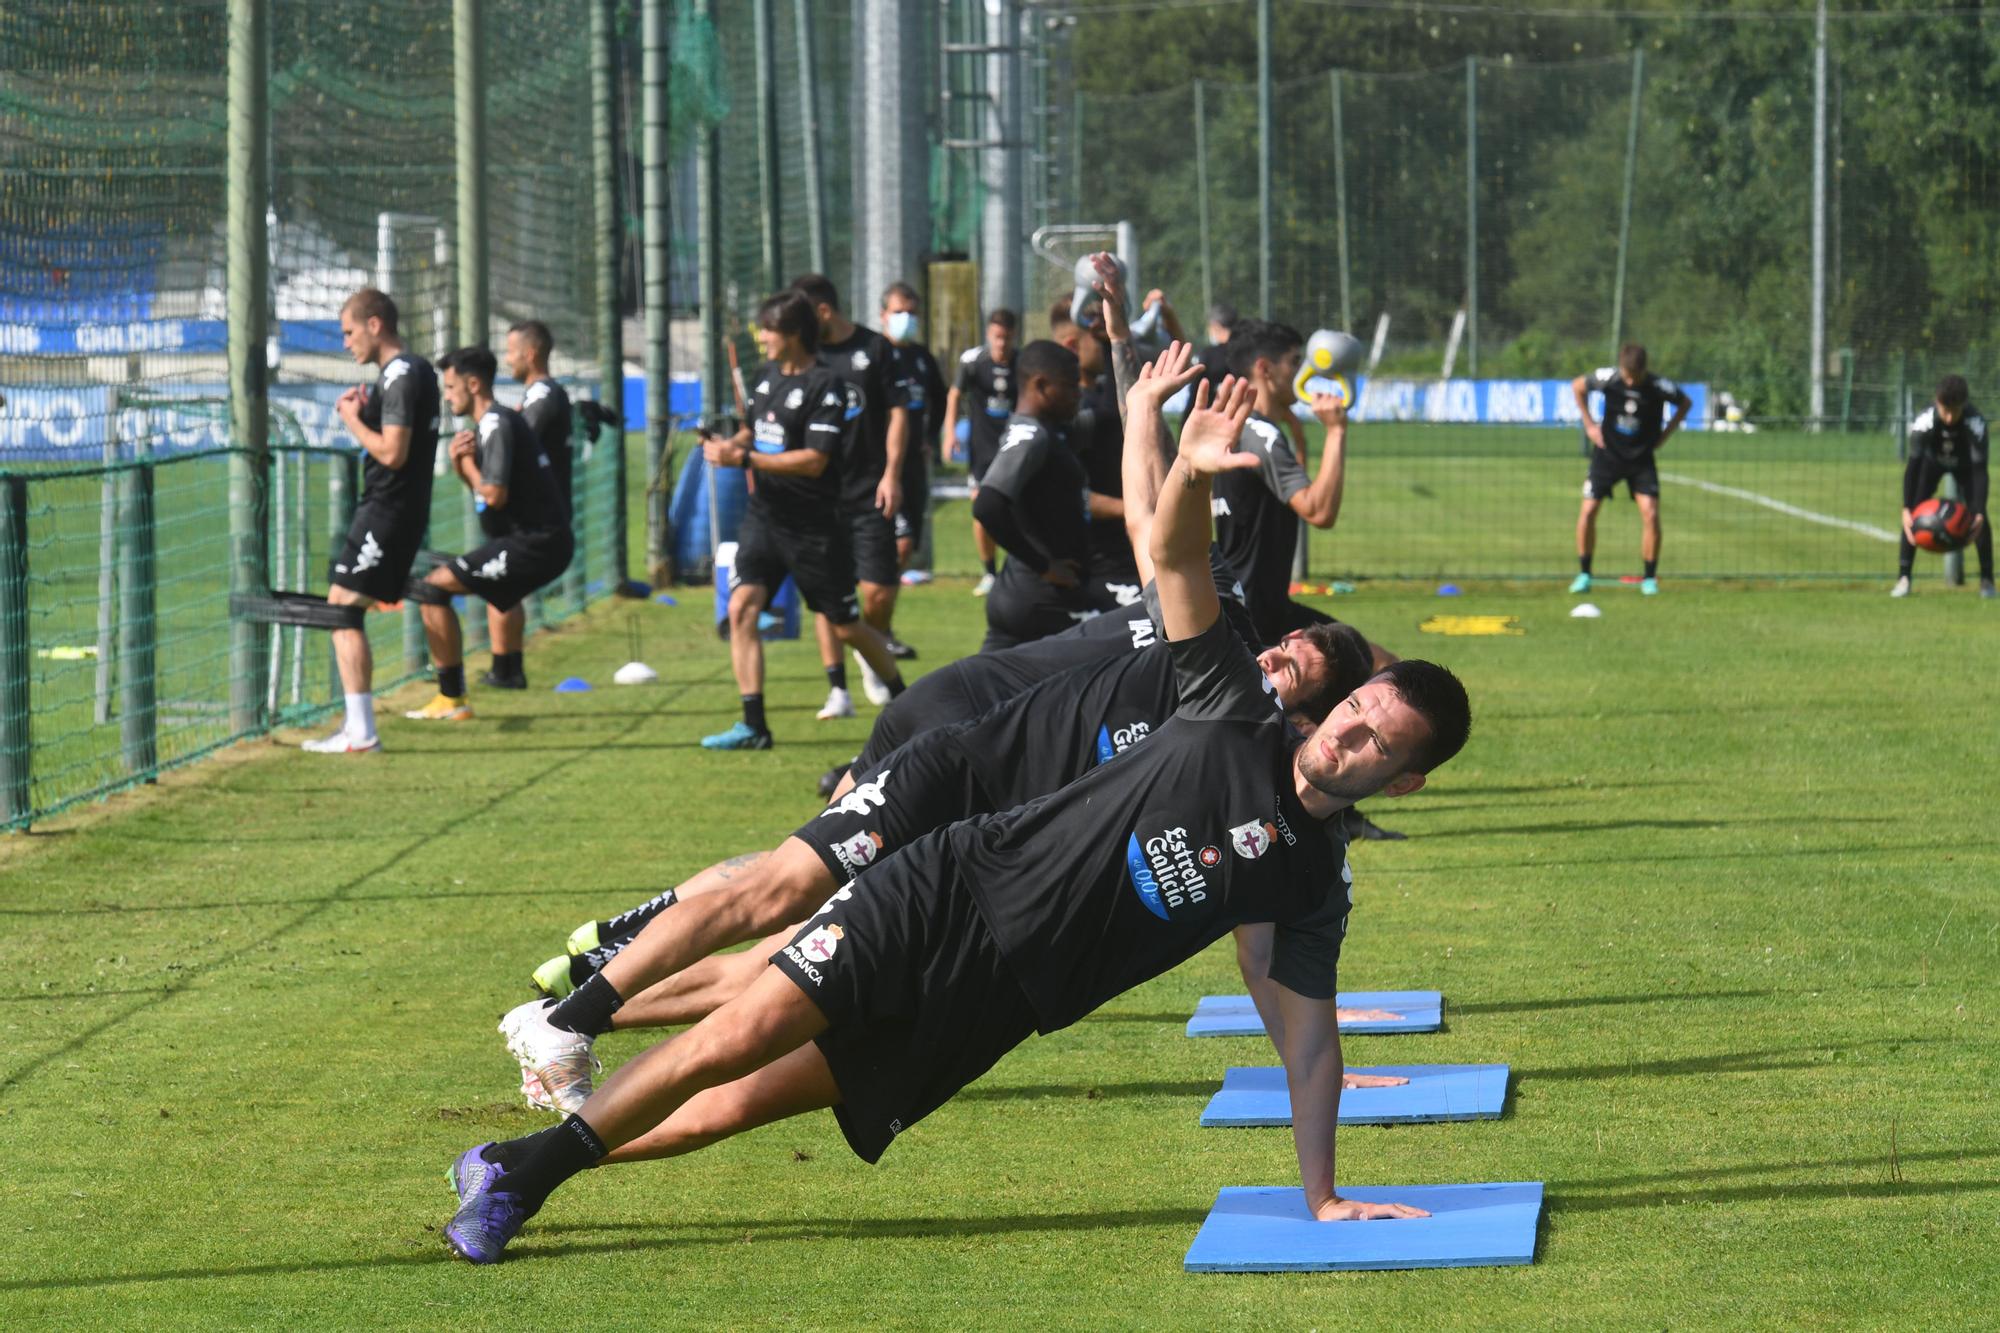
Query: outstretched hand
point(1208, 441)
point(1353, 1080)
point(1162, 379)
point(1350, 1210)
point(1111, 289)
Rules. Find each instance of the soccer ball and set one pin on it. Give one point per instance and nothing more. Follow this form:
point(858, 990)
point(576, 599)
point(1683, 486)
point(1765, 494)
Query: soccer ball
point(1940, 525)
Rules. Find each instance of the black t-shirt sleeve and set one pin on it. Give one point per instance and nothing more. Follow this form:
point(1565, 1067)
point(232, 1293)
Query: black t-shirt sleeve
point(1023, 450)
point(499, 451)
point(968, 377)
point(1278, 467)
point(832, 416)
point(1305, 954)
point(1218, 679)
point(398, 395)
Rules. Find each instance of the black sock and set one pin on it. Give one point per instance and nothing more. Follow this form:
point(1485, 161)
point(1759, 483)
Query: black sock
point(587, 1012)
point(753, 712)
point(507, 665)
point(895, 684)
point(836, 675)
point(510, 1153)
point(559, 1154)
point(629, 923)
point(1652, 569)
point(451, 681)
point(987, 565)
point(1583, 563)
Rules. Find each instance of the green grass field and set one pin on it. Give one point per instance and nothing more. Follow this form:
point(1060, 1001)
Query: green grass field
point(1715, 876)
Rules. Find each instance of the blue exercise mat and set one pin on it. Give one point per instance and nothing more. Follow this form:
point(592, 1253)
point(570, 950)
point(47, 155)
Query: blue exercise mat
point(1268, 1230)
point(1254, 1097)
point(1235, 1016)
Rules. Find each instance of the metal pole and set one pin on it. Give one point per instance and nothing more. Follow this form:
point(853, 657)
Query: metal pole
point(802, 21)
point(137, 714)
point(1818, 341)
point(708, 212)
point(1201, 195)
point(765, 40)
point(469, 82)
point(249, 282)
point(1625, 209)
point(1472, 216)
point(891, 221)
point(17, 742)
point(1340, 205)
point(107, 565)
point(610, 287)
point(1264, 158)
point(657, 238)
point(1003, 235)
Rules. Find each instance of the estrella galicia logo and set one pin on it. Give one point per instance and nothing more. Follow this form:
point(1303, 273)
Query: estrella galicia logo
point(1142, 878)
point(1111, 744)
point(1106, 751)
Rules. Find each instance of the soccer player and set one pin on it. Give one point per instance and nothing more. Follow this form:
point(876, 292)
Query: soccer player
point(1033, 501)
point(917, 978)
point(925, 392)
point(1948, 439)
point(546, 407)
point(800, 413)
point(396, 424)
point(1622, 446)
point(1098, 436)
point(870, 469)
point(522, 511)
point(983, 397)
point(1258, 510)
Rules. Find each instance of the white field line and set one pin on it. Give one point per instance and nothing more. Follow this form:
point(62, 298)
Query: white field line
point(1865, 529)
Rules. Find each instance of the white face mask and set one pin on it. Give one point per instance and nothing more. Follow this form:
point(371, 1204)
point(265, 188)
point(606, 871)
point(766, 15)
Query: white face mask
point(901, 326)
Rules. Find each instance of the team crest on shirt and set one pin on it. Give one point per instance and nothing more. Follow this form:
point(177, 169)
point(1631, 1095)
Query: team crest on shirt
point(859, 852)
point(1211, 857)
point(860, 361)
point(1253, 839)
point(823, 943)
point(794, 398)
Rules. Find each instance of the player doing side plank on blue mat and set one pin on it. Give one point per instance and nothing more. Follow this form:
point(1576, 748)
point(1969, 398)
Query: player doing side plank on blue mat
point(937, 960)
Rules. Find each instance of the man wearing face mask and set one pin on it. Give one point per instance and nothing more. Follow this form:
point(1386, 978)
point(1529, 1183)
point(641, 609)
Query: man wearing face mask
point(925, 388)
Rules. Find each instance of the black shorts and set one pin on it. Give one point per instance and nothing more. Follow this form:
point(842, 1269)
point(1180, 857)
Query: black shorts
point(1641, 476)
point(382, 543)
point(872, 538)
point(816, 557)
point(980, 453)
point(919, 1000)
point(921, 785)
point(916, 498)
point(507, 569)
point(1023, 606)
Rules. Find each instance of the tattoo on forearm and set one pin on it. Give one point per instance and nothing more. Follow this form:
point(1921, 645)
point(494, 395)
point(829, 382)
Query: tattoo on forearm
point(728, 869)
point(1124, 371)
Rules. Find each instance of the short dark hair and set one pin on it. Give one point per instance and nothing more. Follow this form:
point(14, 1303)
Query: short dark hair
point(1223, 315)
point(1632, 358)
point(536, 334)
point(1050, 359)
point(1350, 664)
point(1952, 391)
point(1254, 340)
point(476, 362)
point(1005, 318)
point(1059, 315)
point(370, 303)
point(791, 312)
point(1436, 694)
point(901, 290)
point(818, 289)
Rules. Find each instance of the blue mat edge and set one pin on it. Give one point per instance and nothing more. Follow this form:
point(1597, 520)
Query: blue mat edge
point(1264, 1123)
point(1369, 1266)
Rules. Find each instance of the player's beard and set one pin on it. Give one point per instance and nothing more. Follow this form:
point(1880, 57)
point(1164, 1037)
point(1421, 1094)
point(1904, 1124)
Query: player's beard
point(1330, 781)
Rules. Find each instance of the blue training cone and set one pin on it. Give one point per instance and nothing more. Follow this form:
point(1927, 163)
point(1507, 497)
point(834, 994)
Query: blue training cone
point(1447, 590)
point(666, 599)
point(572, 685)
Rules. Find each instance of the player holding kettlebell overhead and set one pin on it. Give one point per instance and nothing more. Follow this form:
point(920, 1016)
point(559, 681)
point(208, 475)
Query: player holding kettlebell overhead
point(1622, 449)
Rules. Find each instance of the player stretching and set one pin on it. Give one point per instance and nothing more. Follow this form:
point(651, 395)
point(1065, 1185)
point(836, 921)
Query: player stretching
point(545, 406)
point(917, 978)
point(1622, 446)
point(521, 511)
point(396, 424)
point(800, 412)
point(1948, 439)
point(983, 398)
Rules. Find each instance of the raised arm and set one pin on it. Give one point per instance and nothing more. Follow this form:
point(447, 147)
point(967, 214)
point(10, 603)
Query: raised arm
point(1148, 447)
point(1319, 503)
point(1181, 522)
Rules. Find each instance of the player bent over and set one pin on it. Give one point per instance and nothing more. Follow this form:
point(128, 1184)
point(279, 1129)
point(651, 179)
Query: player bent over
point(1948, 439)
point(522, 511)
point(800, 412)
point(396, 424)
point(1622, 446)
point(917, 978)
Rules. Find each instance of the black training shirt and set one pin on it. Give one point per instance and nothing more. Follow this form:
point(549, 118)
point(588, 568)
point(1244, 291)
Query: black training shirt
point(1038, 471)
point(814, 410)
point(1255, 526)
point(1634, 414)
point(1950, 447)
point(1099, 436)
point(985, 398)
point(868, 361)
point(510, 456)
point(406, 394)
point(924, 395)
point(546, 405)
point(1143, 862)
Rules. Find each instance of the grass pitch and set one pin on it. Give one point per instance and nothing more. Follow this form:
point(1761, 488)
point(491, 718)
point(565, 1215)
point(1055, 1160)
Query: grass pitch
point(1715, 876)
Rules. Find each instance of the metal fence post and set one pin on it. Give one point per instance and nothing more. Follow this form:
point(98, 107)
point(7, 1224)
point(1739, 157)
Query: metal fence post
point(765, 41)
point(138, 719)
point(17, 746)
point(809, 106)
point(1201, 196)
point(658, 242)
point(1625, 207)
point(1340, 205)
point(610, 286)
point(1264, 158)
point(1472, 217)
point(249, 293)
point(1817, 383)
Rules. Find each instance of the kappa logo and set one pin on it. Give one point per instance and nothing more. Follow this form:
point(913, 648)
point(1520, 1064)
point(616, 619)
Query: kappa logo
point(859, 852)
point(494, 569)
point(1126, 593)
point(536, 392)
point(488, 424)
point(840, 895)
point(763, 386)
point(1218, 507)
point(1262, 432)
point(1253, 839)
point(865, 797)
point(394, 371)
point(370, 554)
point(1021, 432)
